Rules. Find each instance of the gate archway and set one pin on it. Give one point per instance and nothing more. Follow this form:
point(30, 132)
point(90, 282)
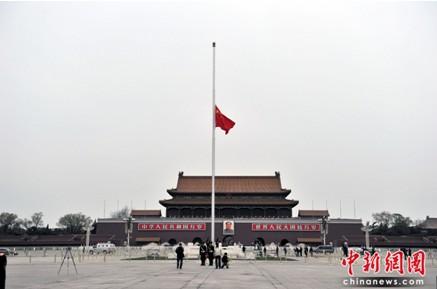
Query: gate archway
point(260, 241)
point(197, 240)
point(283, 242)
point(228, 241)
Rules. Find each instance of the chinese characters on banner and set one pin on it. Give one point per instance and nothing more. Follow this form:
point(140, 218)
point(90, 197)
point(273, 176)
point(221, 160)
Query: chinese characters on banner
point(285, 227)
point(394, 262)
point(171, 227)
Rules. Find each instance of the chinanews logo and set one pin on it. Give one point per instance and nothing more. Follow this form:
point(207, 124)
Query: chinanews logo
point(410, 269)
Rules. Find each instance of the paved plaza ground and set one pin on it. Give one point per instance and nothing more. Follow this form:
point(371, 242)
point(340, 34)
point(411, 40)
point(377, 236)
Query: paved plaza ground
point(115, 273)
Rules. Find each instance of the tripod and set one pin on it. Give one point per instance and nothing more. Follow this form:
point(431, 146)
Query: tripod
point(67, 256)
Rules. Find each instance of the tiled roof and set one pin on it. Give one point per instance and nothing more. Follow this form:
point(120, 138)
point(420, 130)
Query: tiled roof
point(146, 213)
point(230, 184)
point(231, 201)
point(313, 213)
point(429, 223)
point(401, 241)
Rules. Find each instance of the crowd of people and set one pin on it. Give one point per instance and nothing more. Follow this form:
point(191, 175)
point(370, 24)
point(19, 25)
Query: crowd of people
point(211, 254)
point(207, 251)
point(299, 251)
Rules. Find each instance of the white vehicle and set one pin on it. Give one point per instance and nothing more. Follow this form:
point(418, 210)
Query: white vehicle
point(105, 248)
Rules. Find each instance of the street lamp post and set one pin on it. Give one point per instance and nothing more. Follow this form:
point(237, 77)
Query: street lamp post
point(366, 229)
point(87, 237)
point(324, 229)
point(129, 222)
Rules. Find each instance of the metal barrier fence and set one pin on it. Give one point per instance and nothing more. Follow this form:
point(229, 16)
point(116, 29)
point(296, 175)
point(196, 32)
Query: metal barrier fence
point(33, 255)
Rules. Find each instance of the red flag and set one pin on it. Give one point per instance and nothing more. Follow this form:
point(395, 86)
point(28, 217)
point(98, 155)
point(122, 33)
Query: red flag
point(222, 121)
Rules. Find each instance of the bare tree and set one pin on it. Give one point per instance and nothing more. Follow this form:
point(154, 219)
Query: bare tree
point(37, 219)
point(418, 222)
point(121, 214)
point(383, 219)
point(26, 223)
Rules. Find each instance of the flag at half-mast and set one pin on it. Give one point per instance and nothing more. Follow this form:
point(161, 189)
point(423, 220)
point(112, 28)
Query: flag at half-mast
point(222, 121)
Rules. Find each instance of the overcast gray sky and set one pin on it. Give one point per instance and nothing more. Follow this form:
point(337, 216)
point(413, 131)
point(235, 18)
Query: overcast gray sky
point(108, 101)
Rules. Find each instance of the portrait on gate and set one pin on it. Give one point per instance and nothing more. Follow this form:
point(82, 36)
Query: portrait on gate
point(228, 227)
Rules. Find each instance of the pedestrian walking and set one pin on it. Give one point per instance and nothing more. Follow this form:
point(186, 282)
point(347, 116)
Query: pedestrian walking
point(218, 257)
point(179, 256)
point(311, 251)
point(299, 251)
point(225, 261)
point(202, 253)
point(3, 263)
point(265, 251)
point(405, 251)
point(345, 249)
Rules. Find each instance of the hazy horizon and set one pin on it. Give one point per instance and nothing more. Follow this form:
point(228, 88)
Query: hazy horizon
point(108, 101)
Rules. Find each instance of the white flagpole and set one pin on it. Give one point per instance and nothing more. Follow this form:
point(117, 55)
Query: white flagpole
point(213, 148)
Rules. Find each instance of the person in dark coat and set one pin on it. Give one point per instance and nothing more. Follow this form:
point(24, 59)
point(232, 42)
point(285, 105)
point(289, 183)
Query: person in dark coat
point(345, 249)
point(179, 256)
point(3, 263)
point(265, 251)
point(405, 251)
point(203, 253)
point(225, 261)
point(211, 254)
point(311, 251)
point(306, 251)
point(277, 251)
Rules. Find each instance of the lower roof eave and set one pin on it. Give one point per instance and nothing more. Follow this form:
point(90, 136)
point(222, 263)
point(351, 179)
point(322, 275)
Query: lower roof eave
point(184, 203)
point(292, 220)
